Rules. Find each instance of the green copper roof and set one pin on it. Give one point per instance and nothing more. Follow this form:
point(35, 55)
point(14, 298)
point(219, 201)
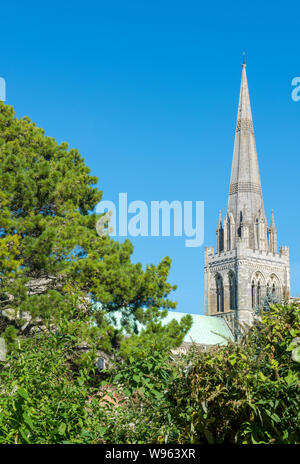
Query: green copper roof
point(205, 330)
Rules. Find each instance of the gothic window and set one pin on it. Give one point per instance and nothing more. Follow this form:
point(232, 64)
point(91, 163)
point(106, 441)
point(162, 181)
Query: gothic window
point(220, 294)
point(258, 288)
point(274, 287)
point(253, 293)
point(258, 294)
point(232, 292)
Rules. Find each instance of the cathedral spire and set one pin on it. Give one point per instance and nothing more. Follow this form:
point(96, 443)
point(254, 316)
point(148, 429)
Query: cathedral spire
point(246, 265)
point(245, 187)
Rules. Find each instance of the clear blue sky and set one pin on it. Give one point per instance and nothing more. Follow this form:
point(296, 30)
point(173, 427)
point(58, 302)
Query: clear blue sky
point(148, 93)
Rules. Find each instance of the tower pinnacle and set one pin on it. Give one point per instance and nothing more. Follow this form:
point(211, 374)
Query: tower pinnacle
point(220, 219)
point(272, 219)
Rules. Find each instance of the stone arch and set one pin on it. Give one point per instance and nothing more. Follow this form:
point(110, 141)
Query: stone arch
point(258, 275)
point(274, 286)
point(258, 286)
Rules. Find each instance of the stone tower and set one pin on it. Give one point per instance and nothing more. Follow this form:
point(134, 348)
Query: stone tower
point(246, 265)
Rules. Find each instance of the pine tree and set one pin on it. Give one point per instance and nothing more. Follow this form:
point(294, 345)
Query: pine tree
point(54, 267)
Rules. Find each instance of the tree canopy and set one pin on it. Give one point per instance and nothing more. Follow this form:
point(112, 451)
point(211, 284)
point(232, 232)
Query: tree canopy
point(53, 264)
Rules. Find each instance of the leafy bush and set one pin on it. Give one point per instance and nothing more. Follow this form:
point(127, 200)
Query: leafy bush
point(246, 392)
point(42, 399)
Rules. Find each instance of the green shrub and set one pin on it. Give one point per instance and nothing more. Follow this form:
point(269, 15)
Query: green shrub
point(43, 399)
point(245, 392)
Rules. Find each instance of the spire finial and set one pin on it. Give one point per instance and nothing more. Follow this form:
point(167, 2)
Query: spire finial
point(244, 59)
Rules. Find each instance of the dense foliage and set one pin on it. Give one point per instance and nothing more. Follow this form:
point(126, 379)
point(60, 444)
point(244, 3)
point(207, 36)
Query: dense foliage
point(245, 392)
point(59, 284)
